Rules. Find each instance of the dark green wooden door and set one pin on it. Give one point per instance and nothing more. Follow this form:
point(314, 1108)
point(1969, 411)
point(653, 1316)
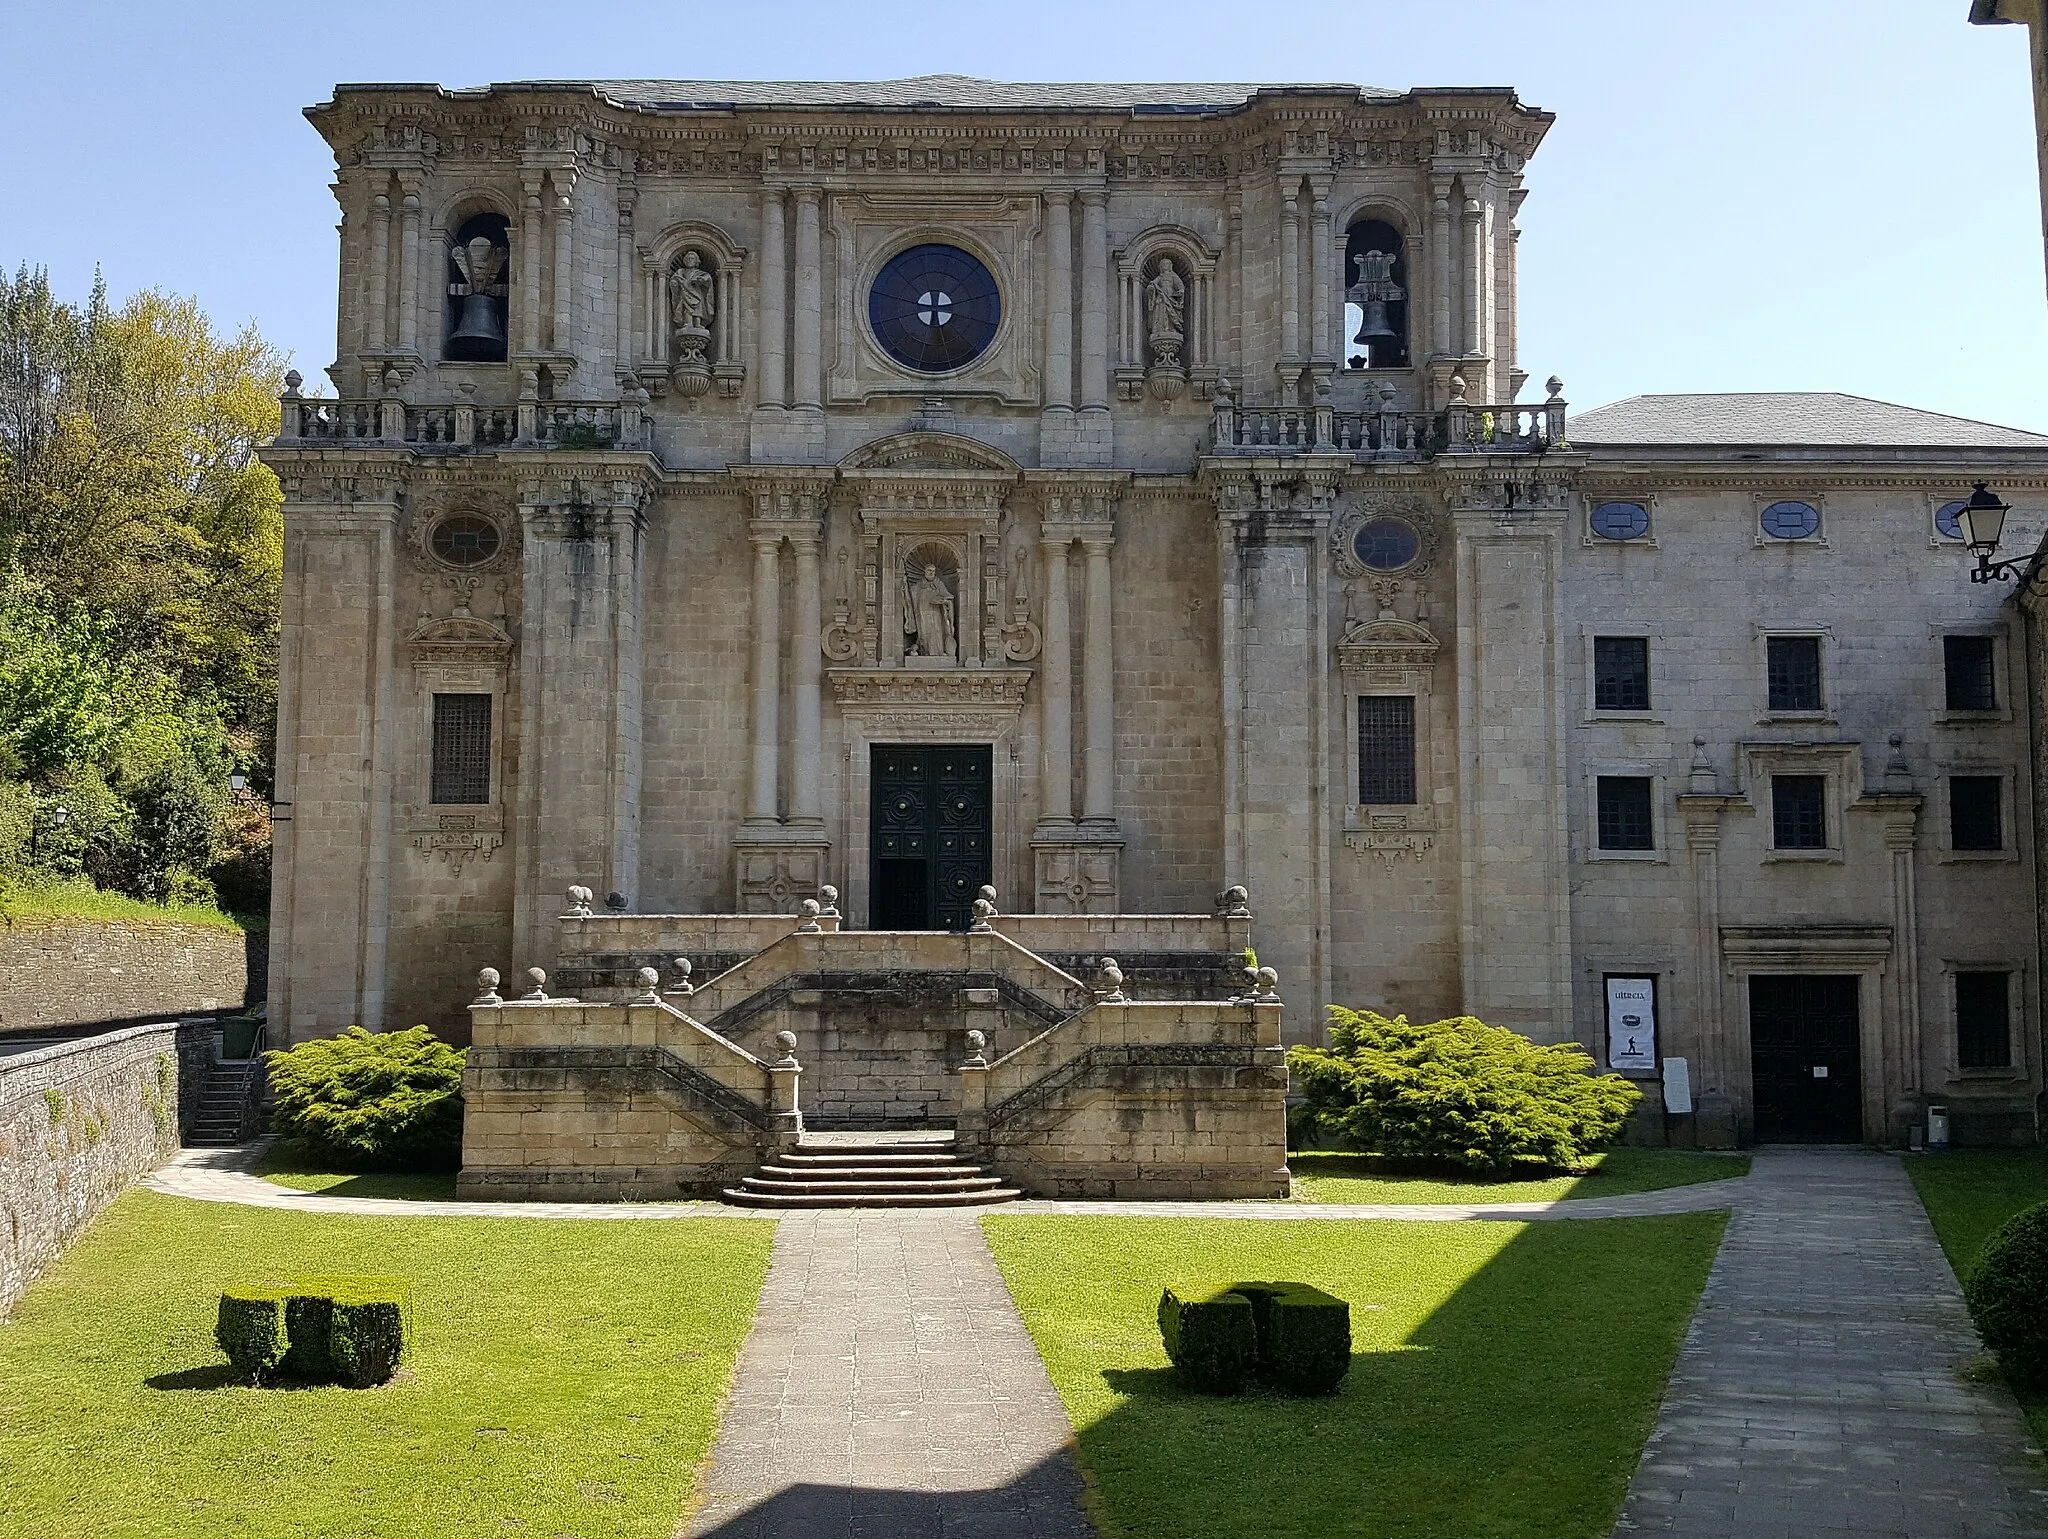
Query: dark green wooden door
point(930, 835)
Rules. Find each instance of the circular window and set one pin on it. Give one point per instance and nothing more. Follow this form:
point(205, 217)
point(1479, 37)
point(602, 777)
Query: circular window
point(1791, 520)
point(934, 308)
point(1946, 520)
point(1621, 520)
point(1386, 544)
point(464, 539)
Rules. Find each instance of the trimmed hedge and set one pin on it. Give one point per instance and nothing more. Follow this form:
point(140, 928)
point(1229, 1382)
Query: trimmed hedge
point(250, 1329)
point(1217, 1335)
point(2008, 1296)
point(317, 1330)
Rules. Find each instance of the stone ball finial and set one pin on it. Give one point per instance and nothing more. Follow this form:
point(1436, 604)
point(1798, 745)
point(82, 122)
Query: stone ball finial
point(1555, 386)
point(786, 1040)
point(1269, 986)
point(682, 985)
point(615, 901)
point(1109, 982)
point(1458, 388)
point(983, 912)
point(807, 913)
point(649, 980)
point(987, 894)
point(487, 988)
point(829, 897)
point(579, 902)
point(977, 1050)
point(536, 984)
point(292, 380)
point(1234, 903)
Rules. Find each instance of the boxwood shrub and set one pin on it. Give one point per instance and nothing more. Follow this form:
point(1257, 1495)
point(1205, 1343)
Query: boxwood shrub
point(317, 1330)
point(1304, 1336)
point(368, 1337)
point(1210, 1336)
point(250, 1329)
point(2006, 1294)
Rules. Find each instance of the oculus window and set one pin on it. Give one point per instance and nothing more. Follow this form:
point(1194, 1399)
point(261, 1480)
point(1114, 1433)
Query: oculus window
point(1620, 521)
point(463, 539)
point(1386, 750)
point(934, 308)
point(1624, 813)
point(1792, 671)
point(1975, 816)
point(1983, 1021)
point(1621, 673)
point(462, 750)
point(1790, 520)
point(1799, 812)
point(1386, 544)
point(1947, 520)
point(1971, 673)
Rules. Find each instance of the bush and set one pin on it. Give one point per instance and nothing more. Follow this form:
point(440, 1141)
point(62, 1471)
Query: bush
point(2005, 1293)
point(250, 1329)
point(308, 1322)
point(390, 1101)
point(1304, 1336)
point(368, 1336)
point(1210, 1336)
point(1478, 1098)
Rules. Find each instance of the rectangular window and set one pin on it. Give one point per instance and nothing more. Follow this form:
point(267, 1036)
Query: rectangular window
point(1983, 1030)
point(1793, 665)
point(1799, 812)
point(462, 749)
point(1386, 750)
point(1972, 673)
point(1975, 818)
point(1621, 673)
point(1624, 813)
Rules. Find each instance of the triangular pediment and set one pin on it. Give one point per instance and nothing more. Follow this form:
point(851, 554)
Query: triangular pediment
point(929, 451)
point(458, 631)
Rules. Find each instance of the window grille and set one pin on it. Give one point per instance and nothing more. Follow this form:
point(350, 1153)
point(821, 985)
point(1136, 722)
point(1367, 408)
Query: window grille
point(1386, 750)
point(1624, 813)
point(1972, 675)
point(462, 749)
point(1793, 667)
point(1975, 820)
point(1621, 673)
point(1983, 1021)
point(1799, 812)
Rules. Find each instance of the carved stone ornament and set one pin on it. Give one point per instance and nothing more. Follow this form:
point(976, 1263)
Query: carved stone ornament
point(1391, 845)
point(460, 537)
point(1374, 508)
point(693, 307)
point(1166, 331)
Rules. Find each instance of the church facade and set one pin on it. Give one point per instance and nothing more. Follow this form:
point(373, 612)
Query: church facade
point(1115, 495)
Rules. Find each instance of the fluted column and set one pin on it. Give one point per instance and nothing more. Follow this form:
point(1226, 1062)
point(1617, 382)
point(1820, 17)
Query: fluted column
point(1098, 792)
point(1474, 253)
point(1290, 279)
point(409, 268)
point(527, 260)
point(1095, 299)
point(565, 226)
point(807, 803)
point(1440, 265)
point(767, 715)
point(1056, 679)
point(1059, 301)
point(378, 331)
point(810, 301)
point(1320, 266)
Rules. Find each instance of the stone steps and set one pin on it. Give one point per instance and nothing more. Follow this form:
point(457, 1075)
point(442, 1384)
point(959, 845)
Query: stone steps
point(877, 1173)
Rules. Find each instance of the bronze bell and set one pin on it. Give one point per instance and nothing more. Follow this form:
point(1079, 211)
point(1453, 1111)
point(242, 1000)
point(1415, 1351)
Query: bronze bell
point(1373, 327)
point(478, 331)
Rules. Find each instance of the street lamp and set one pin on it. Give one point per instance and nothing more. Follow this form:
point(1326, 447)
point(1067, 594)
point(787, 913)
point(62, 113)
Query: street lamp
point(1982, 522)
point(59, 816)
point(238, 782)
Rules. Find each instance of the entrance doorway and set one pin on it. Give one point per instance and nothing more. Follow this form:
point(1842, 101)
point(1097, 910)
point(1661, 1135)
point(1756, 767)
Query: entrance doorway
point(1805, 1056)
point(929, 830)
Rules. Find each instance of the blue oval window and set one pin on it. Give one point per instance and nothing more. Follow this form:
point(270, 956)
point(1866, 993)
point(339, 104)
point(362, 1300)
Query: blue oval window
point(1386, 544)
point(1621, 520)
point(1946, 521)
point(1791, 520)
point(934, 308)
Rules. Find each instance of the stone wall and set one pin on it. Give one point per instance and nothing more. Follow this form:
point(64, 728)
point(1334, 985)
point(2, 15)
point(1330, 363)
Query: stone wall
point(78, 1122)
point(64, 971)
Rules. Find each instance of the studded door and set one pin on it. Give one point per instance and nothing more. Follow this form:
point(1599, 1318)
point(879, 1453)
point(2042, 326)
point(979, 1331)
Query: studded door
point(930, 835)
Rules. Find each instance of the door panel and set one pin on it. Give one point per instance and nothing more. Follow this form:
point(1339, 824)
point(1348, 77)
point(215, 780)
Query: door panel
point(931, 822)
point(1805, 1058)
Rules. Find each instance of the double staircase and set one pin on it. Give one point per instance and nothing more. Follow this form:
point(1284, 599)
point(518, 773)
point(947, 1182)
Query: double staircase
point(871, 1170)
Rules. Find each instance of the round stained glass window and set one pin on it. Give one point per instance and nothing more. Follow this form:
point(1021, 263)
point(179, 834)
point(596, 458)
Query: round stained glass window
point(1946, 520)
point(934, 308)
point(1791, 520)
point(1386, 544)
point(463, 539)
point(1621, 521)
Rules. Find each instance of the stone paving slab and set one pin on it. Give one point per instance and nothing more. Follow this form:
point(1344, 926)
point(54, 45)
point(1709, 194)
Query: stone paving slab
point(1822, 1386)
point(889, 1388)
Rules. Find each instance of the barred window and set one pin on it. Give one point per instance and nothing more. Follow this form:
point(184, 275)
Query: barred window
point(1386, 750)
point(1799, 812)
point(1983, 1021)
point(1624, 813)
point(1793, 666)
point(1971, 673)
point(1621, 673)
point(462, 749)
point(1974, 814)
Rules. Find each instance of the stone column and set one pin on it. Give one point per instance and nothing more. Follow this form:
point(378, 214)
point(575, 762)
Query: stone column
point(1715, 1071)
point(1896, 1086)
point(1095, 299)
point(1322, 264)
point(1474, 253)
point(810, 302)
point(409, 269)
point(767, 713)
point(1440, 265)
point(625, 362)
point(378, 332)
point(1059, 301)
point(526, 258)
point(564, 183)
point(1098, 678)
point(1056, 682)
point(807, 796)
point(1290, 280)
point(774, 299)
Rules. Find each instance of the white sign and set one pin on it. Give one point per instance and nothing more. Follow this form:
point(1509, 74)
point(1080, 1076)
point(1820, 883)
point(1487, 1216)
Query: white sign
point(1632, 1023)
point(1677, 1085)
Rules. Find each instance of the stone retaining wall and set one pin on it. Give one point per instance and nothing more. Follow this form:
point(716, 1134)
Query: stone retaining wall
point(63, 971)
point(79, 1121)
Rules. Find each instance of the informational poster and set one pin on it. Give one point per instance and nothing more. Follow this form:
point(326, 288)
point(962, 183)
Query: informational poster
point(1632, 1024)
point(1677, 1086)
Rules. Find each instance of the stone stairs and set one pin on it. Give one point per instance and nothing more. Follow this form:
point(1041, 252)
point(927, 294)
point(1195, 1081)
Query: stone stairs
point(225, 1105)
point(878, 1170)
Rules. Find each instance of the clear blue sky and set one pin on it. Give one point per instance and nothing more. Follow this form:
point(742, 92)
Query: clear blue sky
point(1746, 195)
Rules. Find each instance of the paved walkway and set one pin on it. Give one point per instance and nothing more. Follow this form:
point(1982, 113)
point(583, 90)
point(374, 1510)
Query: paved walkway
point(1821, 1391)
point(889, 1391)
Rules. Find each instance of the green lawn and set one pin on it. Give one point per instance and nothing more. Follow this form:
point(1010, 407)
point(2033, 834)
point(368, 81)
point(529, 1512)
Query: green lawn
point(1364, 1178)
point(281, 1165)
point(564, 1379)
point(1503, 1379)
point(82, 900)
point(1970, 1192)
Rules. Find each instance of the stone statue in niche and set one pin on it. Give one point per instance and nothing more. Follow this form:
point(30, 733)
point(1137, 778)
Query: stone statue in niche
point(692, 306)
point(1166, 329)
point(930, 617)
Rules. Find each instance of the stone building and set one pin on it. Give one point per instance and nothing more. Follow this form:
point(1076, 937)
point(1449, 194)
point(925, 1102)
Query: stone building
point(1115, 494)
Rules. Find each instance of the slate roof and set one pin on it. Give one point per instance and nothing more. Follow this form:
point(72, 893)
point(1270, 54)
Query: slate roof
point(925, 91)
point(1787, 419)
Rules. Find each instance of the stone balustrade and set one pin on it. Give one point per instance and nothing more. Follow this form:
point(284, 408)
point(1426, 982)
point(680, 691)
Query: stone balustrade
point(531, 424)
point(1462, 427)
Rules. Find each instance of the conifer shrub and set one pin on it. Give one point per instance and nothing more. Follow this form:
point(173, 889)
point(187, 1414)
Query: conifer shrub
point(1210, 1336)
point(1479, 1099)
point(371, 1101)
point(2008, 1297)
point(251, 1331)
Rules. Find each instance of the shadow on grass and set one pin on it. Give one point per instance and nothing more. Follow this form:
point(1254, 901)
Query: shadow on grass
point(212, 1376)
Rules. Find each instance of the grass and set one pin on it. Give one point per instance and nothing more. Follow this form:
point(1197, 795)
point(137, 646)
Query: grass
point(1967, 1194)
point(1365, 1178)
point(565, 1378)
point(82, 900)
point(1503, 1379)
point(282, 1165)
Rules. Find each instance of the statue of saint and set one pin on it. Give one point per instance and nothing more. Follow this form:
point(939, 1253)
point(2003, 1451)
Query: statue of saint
point(928, 624)
point(1165, 302)
point(691, 294)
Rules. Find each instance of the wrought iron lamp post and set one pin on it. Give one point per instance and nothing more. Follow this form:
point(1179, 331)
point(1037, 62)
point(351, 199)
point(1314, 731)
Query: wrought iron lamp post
point(1982, 521)
point(59, 816)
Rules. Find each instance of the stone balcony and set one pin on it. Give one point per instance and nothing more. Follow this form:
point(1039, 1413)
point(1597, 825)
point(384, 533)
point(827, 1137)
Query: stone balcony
point(1462, 427)
point(393, 422)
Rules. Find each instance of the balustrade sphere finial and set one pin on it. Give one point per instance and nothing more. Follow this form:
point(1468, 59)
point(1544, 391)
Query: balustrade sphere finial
point(487, 988)
point(650, 983)
point(537, 984)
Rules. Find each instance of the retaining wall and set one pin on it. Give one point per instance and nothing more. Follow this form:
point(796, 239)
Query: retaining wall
point(63, 971)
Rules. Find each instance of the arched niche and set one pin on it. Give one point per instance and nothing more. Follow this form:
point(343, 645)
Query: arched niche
point(1194, 263)
point(725, 261)
point(476, 317)
point(1377, 291)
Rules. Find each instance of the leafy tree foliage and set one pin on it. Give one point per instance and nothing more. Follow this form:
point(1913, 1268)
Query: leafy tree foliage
point(141, 545)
